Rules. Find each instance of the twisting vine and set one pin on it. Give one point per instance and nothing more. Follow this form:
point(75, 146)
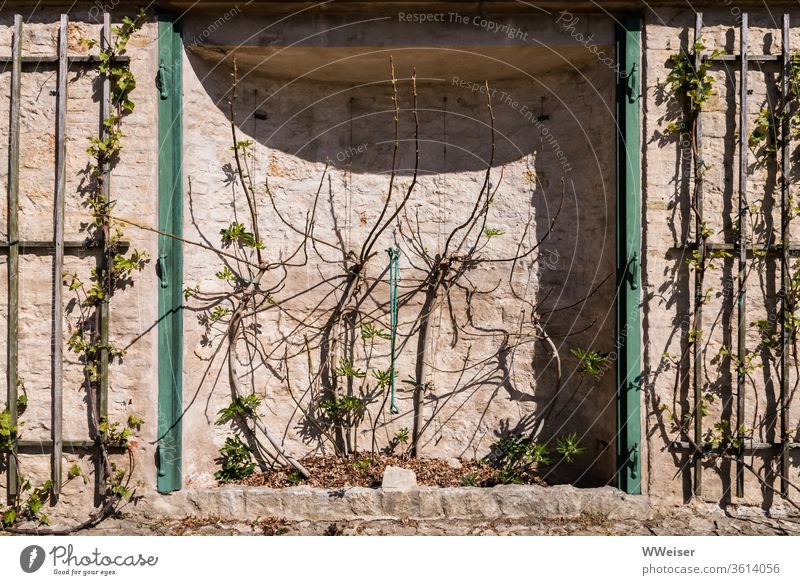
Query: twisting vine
point(692, 86)
point(248, 293)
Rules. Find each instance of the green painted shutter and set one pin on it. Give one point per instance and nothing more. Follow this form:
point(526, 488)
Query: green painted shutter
point(169, 265)
point(629, 214)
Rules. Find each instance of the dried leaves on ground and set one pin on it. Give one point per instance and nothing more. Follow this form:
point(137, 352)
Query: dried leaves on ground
point(330, 471)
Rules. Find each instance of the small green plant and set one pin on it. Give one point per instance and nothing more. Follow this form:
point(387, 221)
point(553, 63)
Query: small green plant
point(794, 93)
point(236, 461)
point(681, 424)
point(235, 456)
point(124, 266)
point(763, 136)
point(345, 413)
point(135, 422)
point(293, 477)
point(590, 362)
point(118, 484)
point(470, 480)
point(689, 79)
point(400, 438)
point(698, 261)
point(32, 508)
point(746, 366)
point(362, 465)
point(346, 369)
point(383, 377)
point(695, 335)
point(113, 433)
point(227, 275)
point(767, 332)
point(241, 406)
point(238, 234)
point(8, 432)
point(722, 436)
point(218, 313)
point(368, 331)
point(242, 147)
point(28, 503)
point(568, 447)
point(346, 405)
point(9, 516)
point(189, 292)
point(492, 232)
point(513, 456)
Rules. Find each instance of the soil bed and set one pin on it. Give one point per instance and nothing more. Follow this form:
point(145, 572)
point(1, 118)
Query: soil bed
point(330, 471)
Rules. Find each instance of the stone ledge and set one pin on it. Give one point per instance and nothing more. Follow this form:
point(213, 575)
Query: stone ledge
point(420, 503)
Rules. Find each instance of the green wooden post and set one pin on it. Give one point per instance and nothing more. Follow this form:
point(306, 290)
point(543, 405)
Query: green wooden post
point(170, 256)
point(629, 214)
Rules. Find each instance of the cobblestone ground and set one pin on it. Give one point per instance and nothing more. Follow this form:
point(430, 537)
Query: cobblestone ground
point(682, 520)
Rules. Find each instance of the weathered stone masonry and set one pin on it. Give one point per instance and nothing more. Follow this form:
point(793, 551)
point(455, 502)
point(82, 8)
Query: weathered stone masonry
point(318, 82)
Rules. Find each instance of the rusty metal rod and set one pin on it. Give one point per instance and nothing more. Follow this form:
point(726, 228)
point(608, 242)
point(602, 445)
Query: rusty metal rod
point(785, 249)
point(741, 313)
point(698, 285)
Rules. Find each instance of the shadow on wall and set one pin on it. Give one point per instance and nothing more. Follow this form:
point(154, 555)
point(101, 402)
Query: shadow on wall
point(347, 116)
point(544, 130)
point(671, 305)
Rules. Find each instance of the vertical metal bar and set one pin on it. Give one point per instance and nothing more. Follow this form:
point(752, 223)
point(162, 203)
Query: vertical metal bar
point(785, 243)
point(697, 361)
point(58, 261)
point(741, 351)
point(628, 203)
point(12, 350)
point(103, 309)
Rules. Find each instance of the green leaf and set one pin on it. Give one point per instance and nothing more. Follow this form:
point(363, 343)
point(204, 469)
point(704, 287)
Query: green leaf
point(591, 363)
point(345, 368)
point(369, 330)
point(568, 447)
point(383, 377)
point(218, 313)
point(238, 234)
point(9, 517)
point(245, 407)
point(236, 461)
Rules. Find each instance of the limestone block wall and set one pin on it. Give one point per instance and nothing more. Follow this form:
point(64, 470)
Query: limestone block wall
point(316, 88)
point(133, 186)
point(668, 222)
point(553, 101)
point(320, 90)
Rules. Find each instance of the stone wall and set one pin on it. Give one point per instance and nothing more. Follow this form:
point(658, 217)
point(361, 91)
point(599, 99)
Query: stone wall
point(669, 222)
point(315, 88)
point(502, 503)
point(133, 185)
